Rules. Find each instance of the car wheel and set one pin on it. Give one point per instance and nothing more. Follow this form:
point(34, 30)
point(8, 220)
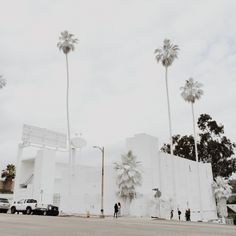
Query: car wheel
point(13, 210)
point(28, 210)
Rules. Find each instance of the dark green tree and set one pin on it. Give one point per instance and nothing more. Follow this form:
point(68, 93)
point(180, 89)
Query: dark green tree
point(233, 184)
point(8, 174)
point(213, 147)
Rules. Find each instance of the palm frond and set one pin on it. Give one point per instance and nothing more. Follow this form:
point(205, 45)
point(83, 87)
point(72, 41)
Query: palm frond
point(167, 54)
point(66, 42)
point(221, 188)
point(191, 91)
point(128, 176)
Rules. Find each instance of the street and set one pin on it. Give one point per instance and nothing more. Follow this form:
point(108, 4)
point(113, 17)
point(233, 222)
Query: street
point(24, 225)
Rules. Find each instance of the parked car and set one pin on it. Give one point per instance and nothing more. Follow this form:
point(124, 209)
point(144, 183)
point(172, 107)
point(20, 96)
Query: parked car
point(50, 211)
point(30, 206)
point(4, 205)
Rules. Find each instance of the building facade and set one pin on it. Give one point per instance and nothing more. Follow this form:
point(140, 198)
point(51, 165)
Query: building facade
point(46, 179)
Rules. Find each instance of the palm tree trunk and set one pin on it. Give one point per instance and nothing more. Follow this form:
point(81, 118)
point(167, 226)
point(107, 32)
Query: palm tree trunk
point(68, 121)
point(171, 140)
point(194, 132)
point(169, 114)
point(198, 171)
point(8, 184)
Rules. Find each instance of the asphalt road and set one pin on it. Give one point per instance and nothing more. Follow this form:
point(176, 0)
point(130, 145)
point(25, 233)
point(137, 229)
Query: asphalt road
point(24, 225)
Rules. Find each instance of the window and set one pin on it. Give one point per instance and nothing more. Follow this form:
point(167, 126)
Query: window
point(4, 200)
point(31, 201)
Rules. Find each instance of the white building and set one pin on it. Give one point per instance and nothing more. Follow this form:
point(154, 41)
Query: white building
point(45, 178)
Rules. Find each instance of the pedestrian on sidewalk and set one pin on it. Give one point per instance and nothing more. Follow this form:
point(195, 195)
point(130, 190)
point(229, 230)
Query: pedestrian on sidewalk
point(171, 214)
point(115, 210)
point(179, 213)
point(119, 209)
point(187, 214)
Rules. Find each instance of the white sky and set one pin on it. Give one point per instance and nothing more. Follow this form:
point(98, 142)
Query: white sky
point(117, 88)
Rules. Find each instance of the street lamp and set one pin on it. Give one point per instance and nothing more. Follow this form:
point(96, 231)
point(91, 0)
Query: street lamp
point(41, 194)
point(102, 184)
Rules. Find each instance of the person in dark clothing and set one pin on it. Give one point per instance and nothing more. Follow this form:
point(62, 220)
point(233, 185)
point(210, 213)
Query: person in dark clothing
point(179, 213)
point(116, 210)
point(171, 214)
point(187, 215)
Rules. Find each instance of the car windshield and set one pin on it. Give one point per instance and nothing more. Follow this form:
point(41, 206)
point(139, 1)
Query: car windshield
point(4, 200)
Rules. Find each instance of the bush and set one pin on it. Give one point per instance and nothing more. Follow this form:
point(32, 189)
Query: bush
point(233, 216)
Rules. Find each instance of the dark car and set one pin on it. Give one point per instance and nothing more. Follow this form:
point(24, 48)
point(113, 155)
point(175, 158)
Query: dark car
point(50, 210)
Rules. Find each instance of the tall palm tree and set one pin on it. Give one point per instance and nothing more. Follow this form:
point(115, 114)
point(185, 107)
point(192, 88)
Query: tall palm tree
point(2, 82)
point(67, 44)
point(191, 92)
point(166, 55)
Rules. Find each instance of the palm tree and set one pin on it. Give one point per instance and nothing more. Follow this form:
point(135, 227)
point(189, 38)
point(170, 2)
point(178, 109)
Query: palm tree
point(128, 178)
point(222, 191)
point(166, 55)
point(2, 82)
point(67, 44)
point(191, 92)
point(9, 174)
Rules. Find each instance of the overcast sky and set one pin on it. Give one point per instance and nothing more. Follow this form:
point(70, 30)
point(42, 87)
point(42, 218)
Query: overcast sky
point(117, 88)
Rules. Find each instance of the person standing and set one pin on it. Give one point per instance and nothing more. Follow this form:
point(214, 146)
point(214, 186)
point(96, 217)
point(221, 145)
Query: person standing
point(171, 214)
point(119, 209)
point(186, 215)
point(115, 210)
point(179, 213)
point(189, 214)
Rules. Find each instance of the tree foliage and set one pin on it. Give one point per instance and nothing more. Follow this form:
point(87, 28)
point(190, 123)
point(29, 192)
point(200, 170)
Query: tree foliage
point(128, 176)
point(67, 42)
point(213, 147)
point(9, 173)
point(221, 188)
point(233, 184)
point(167, 53)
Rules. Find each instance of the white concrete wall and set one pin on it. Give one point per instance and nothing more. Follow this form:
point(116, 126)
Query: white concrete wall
point(85, 193)
point(158, 172)
point(44, 175)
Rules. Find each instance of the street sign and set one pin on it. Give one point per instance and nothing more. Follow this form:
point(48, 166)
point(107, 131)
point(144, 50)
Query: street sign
point(44, 137)
point(158, 193)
